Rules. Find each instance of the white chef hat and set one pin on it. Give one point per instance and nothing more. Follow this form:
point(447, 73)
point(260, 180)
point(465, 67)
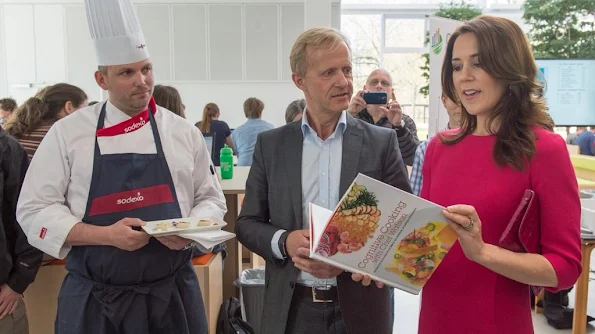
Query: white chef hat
point(116, 32)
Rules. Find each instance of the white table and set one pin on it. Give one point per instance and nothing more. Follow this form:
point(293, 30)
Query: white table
point(233, 264)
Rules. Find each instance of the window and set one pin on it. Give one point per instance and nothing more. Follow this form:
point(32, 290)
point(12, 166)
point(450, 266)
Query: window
point(404, 33)
point(363, 32)
point(418, 2)
point(407, 80)
point(400, 54)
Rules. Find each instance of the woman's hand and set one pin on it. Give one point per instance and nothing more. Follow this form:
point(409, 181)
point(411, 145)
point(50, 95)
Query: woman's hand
point(465, 221)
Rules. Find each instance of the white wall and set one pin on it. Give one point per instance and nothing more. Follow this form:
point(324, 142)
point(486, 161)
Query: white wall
point(230, 97)
point(221, 51)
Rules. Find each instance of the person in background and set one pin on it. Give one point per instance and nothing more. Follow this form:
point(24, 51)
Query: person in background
point(244, 137)
point(571, 138)
point(454, 122)
point(586, 142)
point(220, 130)
point(295, 111)
point(7, 107)
point(19, 261)
point(389, 116)
point(480, 173)
point(315, 161)
point(169, 98)
point(33, 119)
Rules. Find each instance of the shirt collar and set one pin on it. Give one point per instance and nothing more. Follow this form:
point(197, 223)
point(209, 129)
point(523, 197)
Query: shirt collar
point(341, 125)
point(118, 115)
point(114, 113)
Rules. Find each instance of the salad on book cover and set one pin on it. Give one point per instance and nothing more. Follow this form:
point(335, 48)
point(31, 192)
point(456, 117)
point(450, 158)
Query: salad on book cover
point(381, 231)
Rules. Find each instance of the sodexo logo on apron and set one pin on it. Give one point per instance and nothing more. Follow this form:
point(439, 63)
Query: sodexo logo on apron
point(138, 198)
point(132, 200)
point(135, 126)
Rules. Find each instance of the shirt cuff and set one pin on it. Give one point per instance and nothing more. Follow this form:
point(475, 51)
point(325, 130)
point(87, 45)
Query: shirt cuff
point(401, 130)
point(275, 245)
point(17, 284)
point(51, 240)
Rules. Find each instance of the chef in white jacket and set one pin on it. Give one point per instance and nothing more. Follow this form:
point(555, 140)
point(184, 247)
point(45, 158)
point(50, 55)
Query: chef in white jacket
point(99, 174)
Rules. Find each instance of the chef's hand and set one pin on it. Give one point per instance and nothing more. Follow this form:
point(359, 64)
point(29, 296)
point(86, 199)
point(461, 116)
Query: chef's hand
point(315, 268)
point(174, 242)
point(8, 301)
point(125, 238)
point(357, 103)
point(366, 280)
point(465, 221)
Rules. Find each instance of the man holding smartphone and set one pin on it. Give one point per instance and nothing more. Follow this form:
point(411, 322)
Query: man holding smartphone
point(390, 115)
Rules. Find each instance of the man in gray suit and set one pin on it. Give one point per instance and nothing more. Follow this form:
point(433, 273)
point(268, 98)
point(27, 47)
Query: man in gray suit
point(315, 160)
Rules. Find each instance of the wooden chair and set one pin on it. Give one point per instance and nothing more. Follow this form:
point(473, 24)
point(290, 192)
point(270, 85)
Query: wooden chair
point(41, 297)
point(209, 269)
point(539, 298)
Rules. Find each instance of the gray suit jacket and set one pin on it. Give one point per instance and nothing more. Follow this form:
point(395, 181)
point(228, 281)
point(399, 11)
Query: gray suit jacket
point(274, 201)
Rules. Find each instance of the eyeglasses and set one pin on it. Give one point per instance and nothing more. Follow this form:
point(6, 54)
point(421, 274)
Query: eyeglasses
point(374, 82)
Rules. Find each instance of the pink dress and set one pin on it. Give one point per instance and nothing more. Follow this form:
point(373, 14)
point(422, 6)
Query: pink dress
point(463, 297)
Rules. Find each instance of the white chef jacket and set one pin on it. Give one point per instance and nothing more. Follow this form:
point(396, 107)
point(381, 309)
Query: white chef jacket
point(54, 194)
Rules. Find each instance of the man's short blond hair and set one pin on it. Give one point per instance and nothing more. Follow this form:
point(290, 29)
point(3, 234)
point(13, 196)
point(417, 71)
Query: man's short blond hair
point(316, 38)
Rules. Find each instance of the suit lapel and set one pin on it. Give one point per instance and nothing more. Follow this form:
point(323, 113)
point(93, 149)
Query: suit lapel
point(294, 142)
point(352, 145)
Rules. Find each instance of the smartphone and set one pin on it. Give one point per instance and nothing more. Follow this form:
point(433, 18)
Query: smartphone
point(376, 98)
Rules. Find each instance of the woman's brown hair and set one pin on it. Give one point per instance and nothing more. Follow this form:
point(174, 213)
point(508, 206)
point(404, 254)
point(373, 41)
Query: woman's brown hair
point(43, 108)
point(209, 113)
point(253, 108)
point(169, 98)
point(505, 54)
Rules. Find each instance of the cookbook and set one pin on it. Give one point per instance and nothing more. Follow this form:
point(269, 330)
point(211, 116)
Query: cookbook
point(384, 232)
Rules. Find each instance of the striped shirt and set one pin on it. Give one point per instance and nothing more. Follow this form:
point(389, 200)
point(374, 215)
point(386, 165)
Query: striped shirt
point(406, 134)
point(31, 140)
point(417, 176)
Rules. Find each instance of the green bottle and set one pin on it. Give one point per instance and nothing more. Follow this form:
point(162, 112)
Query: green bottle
point(226, 162)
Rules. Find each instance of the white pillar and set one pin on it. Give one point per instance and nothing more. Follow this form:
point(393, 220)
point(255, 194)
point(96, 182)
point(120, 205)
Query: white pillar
point(317, 14)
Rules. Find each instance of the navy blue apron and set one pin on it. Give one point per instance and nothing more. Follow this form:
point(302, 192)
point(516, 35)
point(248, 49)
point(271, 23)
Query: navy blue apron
point(151, 290)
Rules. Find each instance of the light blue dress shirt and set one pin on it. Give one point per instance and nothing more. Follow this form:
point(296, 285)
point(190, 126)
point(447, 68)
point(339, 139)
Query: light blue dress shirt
point(244, 139)
point(321, 176)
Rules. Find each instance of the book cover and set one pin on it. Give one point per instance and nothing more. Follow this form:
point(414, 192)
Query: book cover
point(381, 231)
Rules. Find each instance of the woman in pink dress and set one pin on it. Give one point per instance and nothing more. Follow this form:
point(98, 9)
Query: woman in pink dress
point(480, 172)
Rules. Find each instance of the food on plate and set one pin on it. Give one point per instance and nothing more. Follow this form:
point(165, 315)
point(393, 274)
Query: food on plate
point(180, 225)
point(354, 223)
point(421, 251)
point(162, 227)
point(166, 226)
point(204, 222)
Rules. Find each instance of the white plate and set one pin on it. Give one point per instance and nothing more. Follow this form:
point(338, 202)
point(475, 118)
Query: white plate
point(156, 227)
